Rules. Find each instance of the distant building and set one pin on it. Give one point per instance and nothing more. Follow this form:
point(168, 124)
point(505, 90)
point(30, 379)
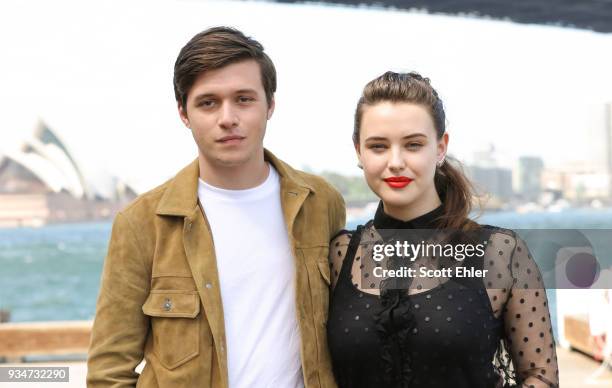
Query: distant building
point(528, 177)
point(42, 182)
point(489, 178)
point(496, 181)
point(587, 186)
point(608, 142)
point(577, 181)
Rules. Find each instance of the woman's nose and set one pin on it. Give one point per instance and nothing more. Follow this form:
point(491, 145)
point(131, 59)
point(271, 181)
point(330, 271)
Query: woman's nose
point(396, 160)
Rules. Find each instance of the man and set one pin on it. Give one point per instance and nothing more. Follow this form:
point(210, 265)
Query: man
point(219, 277)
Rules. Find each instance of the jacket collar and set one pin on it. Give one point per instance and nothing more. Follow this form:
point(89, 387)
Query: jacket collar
point(181, 195)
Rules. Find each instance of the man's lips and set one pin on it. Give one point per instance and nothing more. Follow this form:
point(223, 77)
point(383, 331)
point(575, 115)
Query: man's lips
point(398, 182)
point(232, 139)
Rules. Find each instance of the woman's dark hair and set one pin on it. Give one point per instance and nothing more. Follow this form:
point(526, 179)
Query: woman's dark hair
point(453, 187)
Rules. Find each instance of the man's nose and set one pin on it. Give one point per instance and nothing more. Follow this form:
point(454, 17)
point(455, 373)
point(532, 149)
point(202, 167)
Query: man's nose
point(229, 117)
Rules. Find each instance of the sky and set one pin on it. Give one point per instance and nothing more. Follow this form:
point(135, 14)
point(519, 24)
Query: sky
point(100, 74)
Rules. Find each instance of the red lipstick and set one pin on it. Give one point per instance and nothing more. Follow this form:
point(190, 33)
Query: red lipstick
point(398, 182)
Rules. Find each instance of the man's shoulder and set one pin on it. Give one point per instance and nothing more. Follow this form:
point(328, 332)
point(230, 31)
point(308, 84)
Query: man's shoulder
point(319, 184)
point(147, 202)
point(315, 181)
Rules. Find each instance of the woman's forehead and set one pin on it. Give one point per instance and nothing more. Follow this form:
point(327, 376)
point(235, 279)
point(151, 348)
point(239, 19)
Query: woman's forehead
point(397, 120)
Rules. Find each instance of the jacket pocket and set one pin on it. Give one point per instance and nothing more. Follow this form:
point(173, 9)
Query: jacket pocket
point(174, 325)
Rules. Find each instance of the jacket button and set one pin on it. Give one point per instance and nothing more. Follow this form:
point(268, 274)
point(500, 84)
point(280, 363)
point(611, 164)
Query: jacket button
point(208, 285)
point(167, 305)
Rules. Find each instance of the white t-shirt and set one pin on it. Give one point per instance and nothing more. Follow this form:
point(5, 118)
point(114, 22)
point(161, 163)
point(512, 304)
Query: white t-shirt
point(256, 273)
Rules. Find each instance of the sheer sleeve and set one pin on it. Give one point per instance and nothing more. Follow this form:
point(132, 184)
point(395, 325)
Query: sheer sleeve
point(337, 252)
point(527, 322)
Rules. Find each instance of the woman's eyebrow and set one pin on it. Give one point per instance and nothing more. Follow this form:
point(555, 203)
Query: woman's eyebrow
point(381, 138)
point(376, 138)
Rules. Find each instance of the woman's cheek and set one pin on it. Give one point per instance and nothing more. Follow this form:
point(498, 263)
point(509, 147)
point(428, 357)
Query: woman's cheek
point(374, 182)
point(423, 168)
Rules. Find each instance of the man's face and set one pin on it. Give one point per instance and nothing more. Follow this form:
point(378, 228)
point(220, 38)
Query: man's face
point(227, 113)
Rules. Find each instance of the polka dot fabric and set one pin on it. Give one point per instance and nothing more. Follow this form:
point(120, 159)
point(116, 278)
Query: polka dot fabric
point(448, 333)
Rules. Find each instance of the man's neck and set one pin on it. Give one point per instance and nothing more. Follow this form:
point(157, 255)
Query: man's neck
point(241, 177)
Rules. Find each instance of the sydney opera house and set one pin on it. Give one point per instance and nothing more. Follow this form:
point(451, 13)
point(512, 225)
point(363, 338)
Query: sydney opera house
point(41, 182)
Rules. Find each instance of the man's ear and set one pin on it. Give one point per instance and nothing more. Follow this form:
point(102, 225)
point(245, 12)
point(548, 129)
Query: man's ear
point(183, 115)
point(271, 107)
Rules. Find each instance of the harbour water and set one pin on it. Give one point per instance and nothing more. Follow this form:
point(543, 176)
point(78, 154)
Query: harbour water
point(52, 273)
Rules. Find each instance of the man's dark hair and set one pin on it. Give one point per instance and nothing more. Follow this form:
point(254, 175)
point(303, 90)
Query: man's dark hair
point(215, 48)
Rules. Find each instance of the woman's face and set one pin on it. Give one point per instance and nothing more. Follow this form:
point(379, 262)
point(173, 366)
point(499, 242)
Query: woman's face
point(398, 149)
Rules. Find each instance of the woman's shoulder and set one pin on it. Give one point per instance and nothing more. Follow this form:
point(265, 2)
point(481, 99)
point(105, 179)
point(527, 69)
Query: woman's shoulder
point(344, 236)
point(340, 242)
point(341, 239)
point(493, 233)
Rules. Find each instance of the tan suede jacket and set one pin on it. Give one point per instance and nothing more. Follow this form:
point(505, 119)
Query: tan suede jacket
point(160, 299)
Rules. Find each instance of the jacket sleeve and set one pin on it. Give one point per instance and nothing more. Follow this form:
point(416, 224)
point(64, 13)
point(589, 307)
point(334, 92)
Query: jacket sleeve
point(337, 213)
point(120, 327)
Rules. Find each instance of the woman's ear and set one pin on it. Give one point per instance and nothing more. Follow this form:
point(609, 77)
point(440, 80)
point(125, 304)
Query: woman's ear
point(442, 147)
point(358, 152)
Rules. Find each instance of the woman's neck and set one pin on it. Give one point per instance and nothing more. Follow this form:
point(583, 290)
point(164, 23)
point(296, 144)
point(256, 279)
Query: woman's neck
point(414, 209)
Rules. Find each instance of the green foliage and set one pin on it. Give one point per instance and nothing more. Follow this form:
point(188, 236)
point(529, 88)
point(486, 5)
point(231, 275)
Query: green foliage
point(354, 189)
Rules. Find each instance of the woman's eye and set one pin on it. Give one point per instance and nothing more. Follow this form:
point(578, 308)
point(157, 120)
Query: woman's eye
point(377, 147)
point(413, 146)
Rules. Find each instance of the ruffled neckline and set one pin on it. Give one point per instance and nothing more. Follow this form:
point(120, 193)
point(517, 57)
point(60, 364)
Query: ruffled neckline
point(426, 221)
point(395, 320)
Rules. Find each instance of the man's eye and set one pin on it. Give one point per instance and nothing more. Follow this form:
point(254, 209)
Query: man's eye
point(206, 103)
point(245, 99)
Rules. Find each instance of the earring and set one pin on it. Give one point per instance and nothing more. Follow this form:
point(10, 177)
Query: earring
point(360, 165)
point(440, 162)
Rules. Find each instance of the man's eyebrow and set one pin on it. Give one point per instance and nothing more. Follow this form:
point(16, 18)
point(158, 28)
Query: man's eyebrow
point(213, 95)
point(381, 138)
point(247, 90)
point(203, 95)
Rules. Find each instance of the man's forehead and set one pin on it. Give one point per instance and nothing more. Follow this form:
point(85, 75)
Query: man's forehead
point(234, 77)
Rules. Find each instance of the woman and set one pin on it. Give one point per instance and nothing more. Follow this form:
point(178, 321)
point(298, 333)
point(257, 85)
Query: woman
point(488, 330)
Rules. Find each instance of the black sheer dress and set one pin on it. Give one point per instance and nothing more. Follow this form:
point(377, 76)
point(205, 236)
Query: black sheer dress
point(490, 331)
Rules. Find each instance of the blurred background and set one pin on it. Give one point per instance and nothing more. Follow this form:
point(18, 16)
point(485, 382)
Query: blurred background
point(88, 121)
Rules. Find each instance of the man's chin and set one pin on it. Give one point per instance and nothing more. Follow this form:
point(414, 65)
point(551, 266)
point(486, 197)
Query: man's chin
point(231, 160)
